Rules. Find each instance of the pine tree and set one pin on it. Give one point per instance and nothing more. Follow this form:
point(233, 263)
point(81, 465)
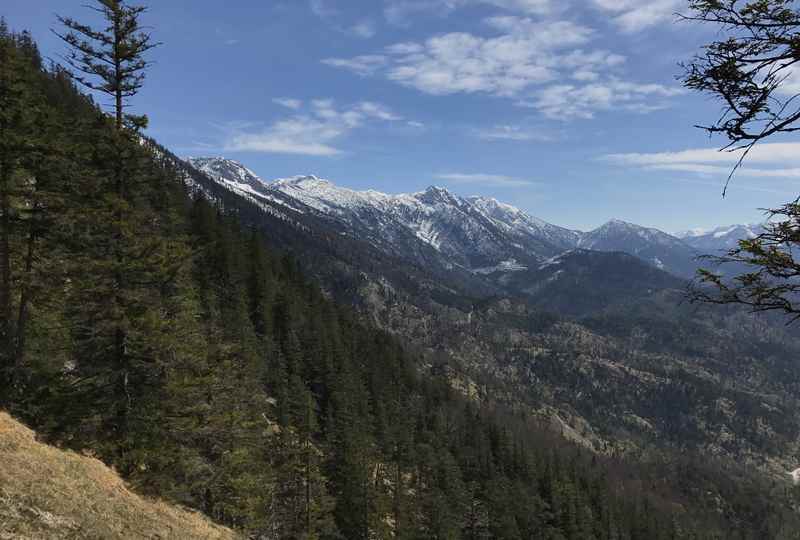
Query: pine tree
point(126, 264)
point(21, 141)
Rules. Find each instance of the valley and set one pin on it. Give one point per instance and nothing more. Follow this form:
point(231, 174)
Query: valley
point(192, 349)
point(586, 330)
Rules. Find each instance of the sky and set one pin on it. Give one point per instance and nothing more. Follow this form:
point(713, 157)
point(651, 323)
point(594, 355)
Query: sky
point(569, 109)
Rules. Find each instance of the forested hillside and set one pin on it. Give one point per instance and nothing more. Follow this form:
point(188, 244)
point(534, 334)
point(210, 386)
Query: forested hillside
point(154, 329)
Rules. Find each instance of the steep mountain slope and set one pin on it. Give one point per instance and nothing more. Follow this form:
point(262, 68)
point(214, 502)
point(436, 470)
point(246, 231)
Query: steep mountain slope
point(50, 493)
point(608, 355)
point(607, 309)
point(518, 222)
point(579, 282)
point(720, 239)
point(656, 247)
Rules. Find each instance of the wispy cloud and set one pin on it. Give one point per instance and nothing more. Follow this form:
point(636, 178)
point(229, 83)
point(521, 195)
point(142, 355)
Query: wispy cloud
point(774, 160)
point(289, 103)
point(762, 153)
point(401, 12)
point(540, 64)
point(637, 15)
point(743, 187)
point(510, 133)
point(567, 101)
point(361, 65)
point(313, 131)
point(493, 180)
point(719, 170)
point(364, 29)
point(322, 8)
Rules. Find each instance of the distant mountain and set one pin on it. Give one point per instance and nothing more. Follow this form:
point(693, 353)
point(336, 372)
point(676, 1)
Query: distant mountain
point(719, 239)
point(478, 234)
point(658, 248)
point(580, 281)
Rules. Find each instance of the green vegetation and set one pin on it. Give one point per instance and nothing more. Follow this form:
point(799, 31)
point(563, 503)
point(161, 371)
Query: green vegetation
point(749, 71)
point(157, 331)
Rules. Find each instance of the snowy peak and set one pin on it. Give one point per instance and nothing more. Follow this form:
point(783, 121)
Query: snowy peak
point(720, 239)
point(617, 234)
point(228, 170)
point(479, 234)
point(658, 248)
point(308, 182)
point(438, 195)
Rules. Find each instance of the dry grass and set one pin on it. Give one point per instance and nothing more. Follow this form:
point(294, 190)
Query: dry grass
point(47, 493)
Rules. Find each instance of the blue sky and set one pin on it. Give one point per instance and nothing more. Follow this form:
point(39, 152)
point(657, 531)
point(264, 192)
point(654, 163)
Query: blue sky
point(569, 109)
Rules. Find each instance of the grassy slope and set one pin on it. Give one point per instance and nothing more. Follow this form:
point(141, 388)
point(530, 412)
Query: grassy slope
point(50, 493)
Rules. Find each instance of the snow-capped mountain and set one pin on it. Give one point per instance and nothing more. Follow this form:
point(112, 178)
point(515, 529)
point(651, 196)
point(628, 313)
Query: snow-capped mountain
point(470, 232)
point(227, 171)
point(719, 239)
point(660, 249)
point(479, 234)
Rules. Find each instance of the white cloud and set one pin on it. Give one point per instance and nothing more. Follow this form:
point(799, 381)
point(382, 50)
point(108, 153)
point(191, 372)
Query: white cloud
point(322, 9)
point(289, 103)
point(510, 133)
point(364, 29)
point(791, 81)
point(566, 101)
point(523, 55)
point(762, 153)
point(718, 170)
point(400, 12)
point(537, 63)
point(776, 160)
point(637, 15)
point(527, 7)
point(629, 15)
point(313, 132)
point(494, 180)
point(361, 65)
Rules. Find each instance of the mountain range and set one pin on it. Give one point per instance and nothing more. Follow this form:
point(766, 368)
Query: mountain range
point(588, 331)
point(480, 235)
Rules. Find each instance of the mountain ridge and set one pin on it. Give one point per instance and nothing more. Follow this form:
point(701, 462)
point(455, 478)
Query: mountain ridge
point(474, 232)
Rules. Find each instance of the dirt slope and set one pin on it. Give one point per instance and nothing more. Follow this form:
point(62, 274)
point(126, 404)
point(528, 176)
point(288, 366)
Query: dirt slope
point(47, 493)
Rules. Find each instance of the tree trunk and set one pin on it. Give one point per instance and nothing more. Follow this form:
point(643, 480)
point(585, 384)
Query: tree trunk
point(308, 466)
point(5, 227)
point(6, 359)
point(119, 333)
point(24, 297)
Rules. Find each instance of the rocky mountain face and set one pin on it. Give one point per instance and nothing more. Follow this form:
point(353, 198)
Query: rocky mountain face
point(477, 234)
point(583, 330)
